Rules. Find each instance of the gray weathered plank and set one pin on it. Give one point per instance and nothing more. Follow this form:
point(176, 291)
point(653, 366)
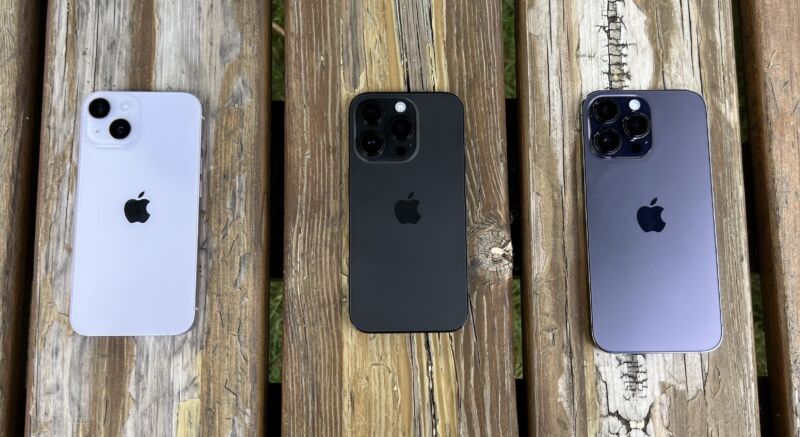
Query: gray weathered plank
point(212, 379)
point(565, 50)
point(338, 381)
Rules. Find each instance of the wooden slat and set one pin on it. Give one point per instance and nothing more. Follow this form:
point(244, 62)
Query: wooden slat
point(20, 86)
point(771, 33)
point(336, 380)
point(566, 49)
point(213, 378)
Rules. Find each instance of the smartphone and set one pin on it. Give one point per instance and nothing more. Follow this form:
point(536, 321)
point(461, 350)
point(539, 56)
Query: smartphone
point(408, 232)
point(134, 266)
point(650, 228)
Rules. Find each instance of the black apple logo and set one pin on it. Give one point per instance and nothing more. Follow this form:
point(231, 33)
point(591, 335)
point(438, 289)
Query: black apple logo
point(649, 217)
point(406, 210)
point(136, 209)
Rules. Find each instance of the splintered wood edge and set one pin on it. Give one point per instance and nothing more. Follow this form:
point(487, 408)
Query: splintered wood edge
point(388, 384)
point(213, 377)
point(574, 388)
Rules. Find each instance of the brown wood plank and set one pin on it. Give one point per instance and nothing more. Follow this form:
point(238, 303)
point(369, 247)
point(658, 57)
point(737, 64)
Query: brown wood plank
point(336, 380)
point(565, 50)
point(212, 379)
point(771, 33)
point(20, 89)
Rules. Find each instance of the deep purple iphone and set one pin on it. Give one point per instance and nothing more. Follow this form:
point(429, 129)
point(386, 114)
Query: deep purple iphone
point(653, 277)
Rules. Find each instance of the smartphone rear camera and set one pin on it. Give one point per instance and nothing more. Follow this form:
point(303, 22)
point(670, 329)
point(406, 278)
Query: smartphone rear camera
point(370, 144)
point(607, 141)
point(636, 125)
point(401, 128)
point(619, 126)
point(120, 129)
point(99, 108)
point(371, 112)
point(384, 128)
point(605, 110)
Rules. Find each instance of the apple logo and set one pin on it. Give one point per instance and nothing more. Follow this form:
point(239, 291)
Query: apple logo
point(649, 217)
point(406, 210)
point(136, 209)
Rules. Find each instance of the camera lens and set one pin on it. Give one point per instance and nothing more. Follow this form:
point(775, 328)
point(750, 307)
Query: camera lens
point(99, 108)
point(371, 144)
point(371, 112)
point(401, 128)
point(636, 125)
point(120, 129)
point(607, 141)
point(605, 110)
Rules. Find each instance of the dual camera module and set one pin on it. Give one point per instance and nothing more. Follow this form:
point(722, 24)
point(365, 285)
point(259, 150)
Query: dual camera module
point(620, 127)
point(120, 128)
point(386, 129)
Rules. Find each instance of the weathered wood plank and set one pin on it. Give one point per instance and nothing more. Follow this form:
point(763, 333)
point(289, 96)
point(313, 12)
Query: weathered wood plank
point(566, 50)
point(338, 381)
point(771, 33)
point(212, 379)
point(20, 63)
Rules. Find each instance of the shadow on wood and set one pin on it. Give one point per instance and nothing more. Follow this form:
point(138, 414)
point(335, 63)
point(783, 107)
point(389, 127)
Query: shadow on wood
point(21, 52)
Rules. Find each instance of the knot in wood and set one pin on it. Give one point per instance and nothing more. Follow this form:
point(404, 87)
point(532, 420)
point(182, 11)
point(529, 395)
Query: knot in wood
point(492, 252)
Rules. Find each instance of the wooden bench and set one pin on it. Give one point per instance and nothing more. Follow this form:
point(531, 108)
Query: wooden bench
point(336, 380)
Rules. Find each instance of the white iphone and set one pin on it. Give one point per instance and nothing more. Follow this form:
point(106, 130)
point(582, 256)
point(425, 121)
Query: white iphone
point(134, 268)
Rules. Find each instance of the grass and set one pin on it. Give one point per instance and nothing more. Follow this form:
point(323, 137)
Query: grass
point(509, 49)
point(275, 330)
point(276, 287)
point(278, 59)
point(516, 308)
point(758, 325)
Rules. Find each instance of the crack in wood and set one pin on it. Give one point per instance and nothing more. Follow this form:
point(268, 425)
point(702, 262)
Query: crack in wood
point(631, 425)
point(634, 375)
point(431, 391)
point(415, 37)
point(417, 426)
point(618, 72)
point(622, 411)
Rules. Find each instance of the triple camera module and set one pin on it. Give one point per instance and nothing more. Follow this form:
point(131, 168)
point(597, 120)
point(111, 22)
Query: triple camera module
point(620, 127)
point(386, 129)
point(100, 108)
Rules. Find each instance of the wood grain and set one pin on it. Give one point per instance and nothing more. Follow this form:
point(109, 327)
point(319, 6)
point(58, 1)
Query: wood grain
point(212, 379)
point(337, 380)
point(565, 50)
point(20, 85)
point(771, 33)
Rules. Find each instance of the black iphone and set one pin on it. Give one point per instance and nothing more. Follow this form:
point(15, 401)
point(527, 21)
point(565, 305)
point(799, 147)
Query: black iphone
point(408, 242)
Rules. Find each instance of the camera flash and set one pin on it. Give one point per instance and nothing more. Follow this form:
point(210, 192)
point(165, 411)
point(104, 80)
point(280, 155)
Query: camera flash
point(125, 106)
point(400, 107)
point(634, 105)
